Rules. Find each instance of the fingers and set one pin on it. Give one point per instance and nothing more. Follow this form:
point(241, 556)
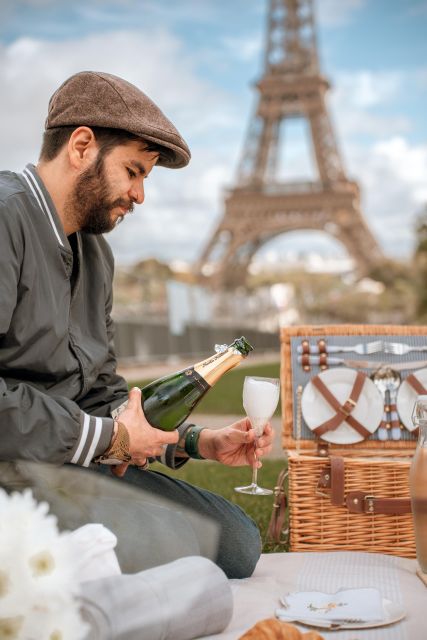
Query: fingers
point(262, 451)
point(237, 433)
point(134, 398)
point(169, 437)
point(266, 439)
point(265, 442)
point(268, 431)
point(242, 425)
point(139, 462)
point(120, 469)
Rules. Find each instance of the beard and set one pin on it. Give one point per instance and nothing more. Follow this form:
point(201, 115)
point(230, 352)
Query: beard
point(90, 204)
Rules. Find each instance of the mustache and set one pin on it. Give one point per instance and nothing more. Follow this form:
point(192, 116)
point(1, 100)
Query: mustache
point(126, 204)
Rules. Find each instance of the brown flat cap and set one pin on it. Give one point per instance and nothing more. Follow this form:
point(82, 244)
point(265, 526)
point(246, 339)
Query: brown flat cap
point(98, 99)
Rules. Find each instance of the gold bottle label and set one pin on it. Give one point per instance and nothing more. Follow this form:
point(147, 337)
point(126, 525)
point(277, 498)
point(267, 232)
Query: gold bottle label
point(215, 366)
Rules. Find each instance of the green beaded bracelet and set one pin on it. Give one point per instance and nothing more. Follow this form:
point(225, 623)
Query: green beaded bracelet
point(192, 442)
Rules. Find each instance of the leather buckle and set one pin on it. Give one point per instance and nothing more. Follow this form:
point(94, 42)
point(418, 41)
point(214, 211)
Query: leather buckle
point(323, 487)
point(369, 504)
point(347, 407)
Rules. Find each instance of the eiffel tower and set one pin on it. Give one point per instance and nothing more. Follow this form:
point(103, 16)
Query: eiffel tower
point(261, 206)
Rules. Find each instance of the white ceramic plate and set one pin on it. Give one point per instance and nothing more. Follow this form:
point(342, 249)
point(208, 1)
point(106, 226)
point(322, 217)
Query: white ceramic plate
point(393, 612)
point(316, 410)
point(406, 397)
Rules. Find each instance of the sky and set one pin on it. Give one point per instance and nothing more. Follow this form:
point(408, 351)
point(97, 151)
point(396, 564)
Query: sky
point(198, 60)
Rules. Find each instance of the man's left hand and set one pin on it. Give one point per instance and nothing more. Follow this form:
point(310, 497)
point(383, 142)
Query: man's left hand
point(234, 445)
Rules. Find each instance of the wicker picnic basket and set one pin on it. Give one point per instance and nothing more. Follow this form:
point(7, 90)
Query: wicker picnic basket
point(343, 496)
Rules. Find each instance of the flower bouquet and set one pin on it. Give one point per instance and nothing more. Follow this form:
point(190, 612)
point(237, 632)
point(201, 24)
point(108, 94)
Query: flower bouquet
point(39, 583)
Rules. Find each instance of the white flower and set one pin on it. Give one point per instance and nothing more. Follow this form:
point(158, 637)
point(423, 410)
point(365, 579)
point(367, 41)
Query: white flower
point(38, 574)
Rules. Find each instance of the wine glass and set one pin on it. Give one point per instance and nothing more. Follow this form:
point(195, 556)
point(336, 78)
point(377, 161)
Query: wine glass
point(260, 398)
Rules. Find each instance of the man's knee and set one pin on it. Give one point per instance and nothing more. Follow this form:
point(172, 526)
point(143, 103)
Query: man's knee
point(240, 547)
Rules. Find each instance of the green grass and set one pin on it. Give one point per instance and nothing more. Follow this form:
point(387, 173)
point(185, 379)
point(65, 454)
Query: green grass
point(226, 396)
point(222, 479)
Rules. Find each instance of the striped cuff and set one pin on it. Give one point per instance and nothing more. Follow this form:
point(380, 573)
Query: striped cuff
point(94, 439)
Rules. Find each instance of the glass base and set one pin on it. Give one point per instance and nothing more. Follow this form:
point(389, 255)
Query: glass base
point(254, 490)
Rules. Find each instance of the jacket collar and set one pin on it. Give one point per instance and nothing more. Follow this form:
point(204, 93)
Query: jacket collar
point(45, 203)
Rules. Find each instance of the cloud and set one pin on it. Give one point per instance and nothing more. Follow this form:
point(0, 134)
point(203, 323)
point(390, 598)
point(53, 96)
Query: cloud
point(365, 103)
point(184, 203)
point(182, 207)
point(374, 138)
point(392, 174)
point(337, 13)
point(30, 70)
point(368, 89)
point(247, 49)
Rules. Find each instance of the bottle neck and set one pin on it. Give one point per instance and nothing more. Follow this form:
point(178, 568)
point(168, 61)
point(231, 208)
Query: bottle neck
point(215, 366)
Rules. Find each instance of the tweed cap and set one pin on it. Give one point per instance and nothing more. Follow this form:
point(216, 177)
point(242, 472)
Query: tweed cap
point(98, 99)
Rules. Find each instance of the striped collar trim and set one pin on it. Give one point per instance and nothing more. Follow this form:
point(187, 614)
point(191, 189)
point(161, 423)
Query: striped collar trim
point(33, 182)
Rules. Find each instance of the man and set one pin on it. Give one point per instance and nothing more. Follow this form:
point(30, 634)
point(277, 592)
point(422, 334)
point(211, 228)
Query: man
point(58, 384)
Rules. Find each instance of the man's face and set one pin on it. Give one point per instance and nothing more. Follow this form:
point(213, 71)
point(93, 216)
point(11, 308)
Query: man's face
point(110, 187)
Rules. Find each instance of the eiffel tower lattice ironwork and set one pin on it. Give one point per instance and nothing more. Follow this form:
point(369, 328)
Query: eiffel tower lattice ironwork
point(260, 206)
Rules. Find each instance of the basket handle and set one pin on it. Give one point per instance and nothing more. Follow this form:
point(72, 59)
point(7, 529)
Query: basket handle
point(278, 514)
point(332, 478)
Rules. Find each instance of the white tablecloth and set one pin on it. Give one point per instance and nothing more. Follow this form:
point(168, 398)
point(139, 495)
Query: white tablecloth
point(257, 597)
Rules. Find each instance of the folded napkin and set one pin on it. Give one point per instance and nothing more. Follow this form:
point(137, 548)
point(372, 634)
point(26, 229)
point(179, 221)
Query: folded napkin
point(93, 550)
point(361, 605)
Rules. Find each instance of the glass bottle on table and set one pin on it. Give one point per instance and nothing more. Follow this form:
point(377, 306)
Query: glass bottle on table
point(418, 481)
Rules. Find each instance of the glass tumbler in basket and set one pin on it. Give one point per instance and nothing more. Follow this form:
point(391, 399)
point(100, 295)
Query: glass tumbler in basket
point(260, 398)
point(418, 481)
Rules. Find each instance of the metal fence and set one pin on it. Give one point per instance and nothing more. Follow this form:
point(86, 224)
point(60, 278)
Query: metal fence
point(147, 341)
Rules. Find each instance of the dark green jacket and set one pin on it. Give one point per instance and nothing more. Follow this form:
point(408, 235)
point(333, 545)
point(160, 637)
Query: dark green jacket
point(58, 381)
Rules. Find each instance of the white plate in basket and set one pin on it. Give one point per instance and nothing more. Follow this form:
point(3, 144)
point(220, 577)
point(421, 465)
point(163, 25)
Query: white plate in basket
point(316, 410)
point(393, 612)
point(406, 397)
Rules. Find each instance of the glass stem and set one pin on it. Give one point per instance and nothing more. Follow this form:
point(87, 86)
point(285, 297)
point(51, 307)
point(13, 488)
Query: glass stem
point(255, 468)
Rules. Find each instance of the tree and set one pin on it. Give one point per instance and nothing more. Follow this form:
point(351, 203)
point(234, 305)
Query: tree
point(420, 266)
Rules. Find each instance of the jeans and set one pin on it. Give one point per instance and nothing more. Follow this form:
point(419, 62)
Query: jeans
point(156, 518)
point(238, 541)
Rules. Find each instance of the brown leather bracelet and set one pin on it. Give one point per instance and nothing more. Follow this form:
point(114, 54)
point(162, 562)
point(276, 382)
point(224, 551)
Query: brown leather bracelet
point(118, 452)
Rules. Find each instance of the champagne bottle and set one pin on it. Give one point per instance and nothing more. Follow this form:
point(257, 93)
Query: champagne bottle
point(168, 401)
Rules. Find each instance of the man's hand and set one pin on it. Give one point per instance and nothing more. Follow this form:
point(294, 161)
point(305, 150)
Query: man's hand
point(234, 445)
point(145, 440)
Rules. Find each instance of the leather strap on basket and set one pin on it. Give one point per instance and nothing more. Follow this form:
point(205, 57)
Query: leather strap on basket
point(323, 354)
point(332, 478)
point(343, 412)
point(362, 502)
point(305, 358)
point(275, 527)
point(416, 384)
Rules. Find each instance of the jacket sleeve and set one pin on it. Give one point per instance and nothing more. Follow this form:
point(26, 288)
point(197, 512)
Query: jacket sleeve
point(34, 425)
point(110, 390)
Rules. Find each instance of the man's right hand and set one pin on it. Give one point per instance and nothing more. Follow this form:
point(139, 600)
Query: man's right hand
point(145, 441)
